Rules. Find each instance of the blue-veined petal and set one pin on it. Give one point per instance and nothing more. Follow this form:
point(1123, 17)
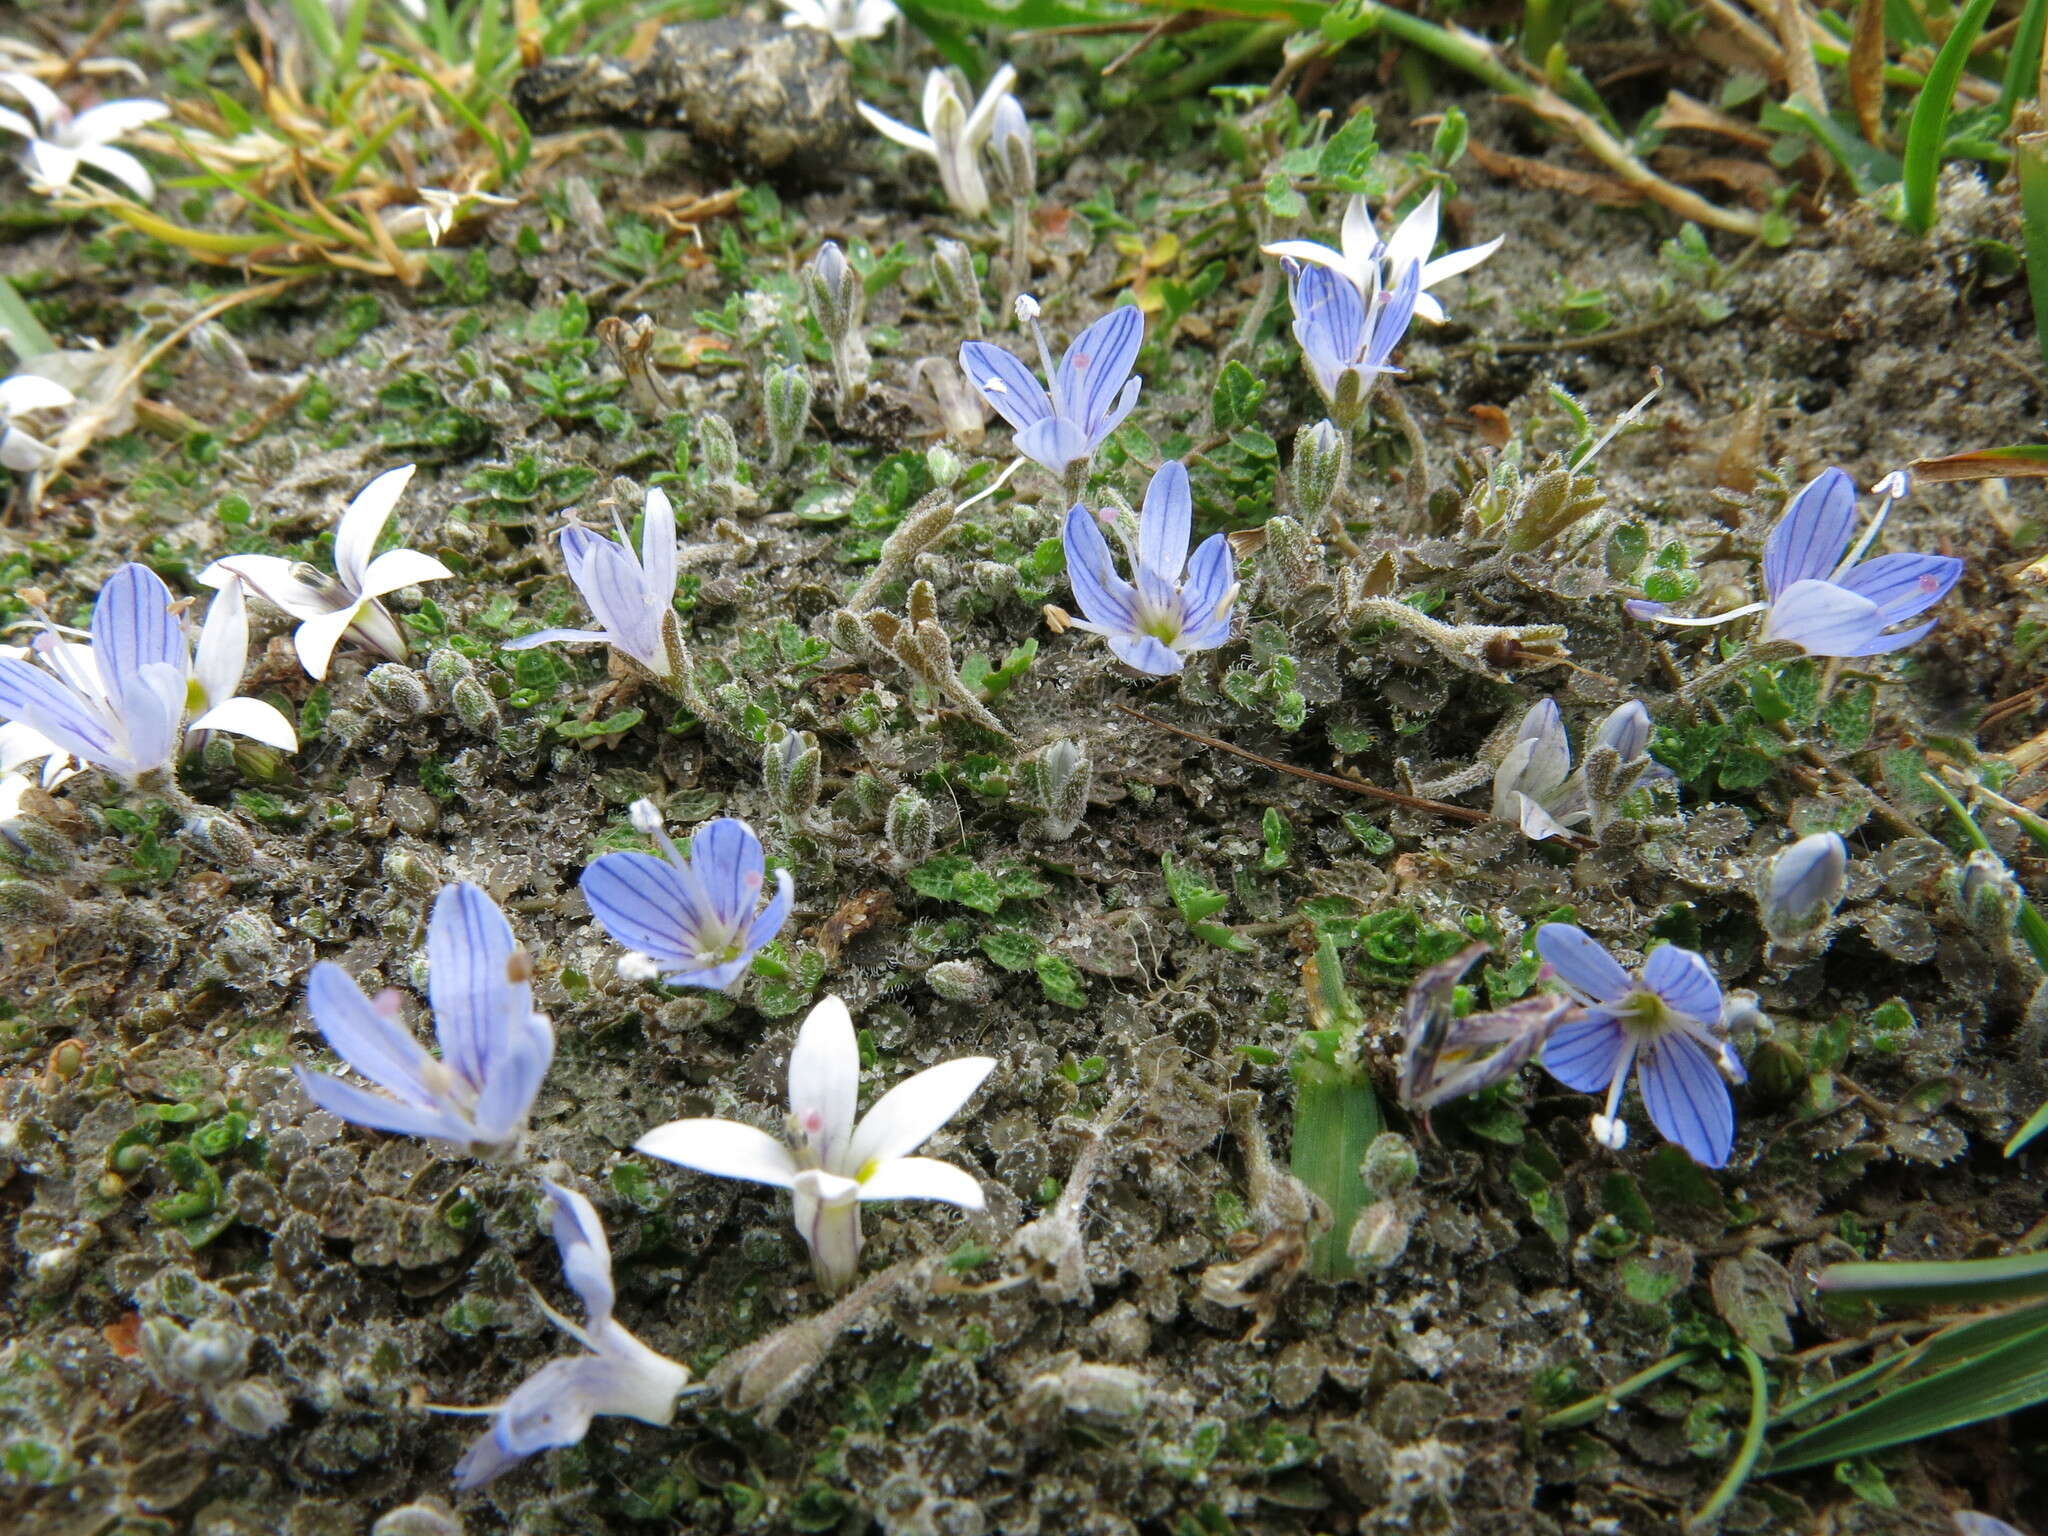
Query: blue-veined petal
point(1586, 1051)
point(1810, 538)
point(1114, 417)
point(772, 917)
point(1207, 595)
point(378, 1112)
point(476, 1002)
point(1329, 322)
point(547, 636)
point(1166, 521)
point(1054, 442)
point(1390, 319)
point(1685, 982)
point(39, 701)
point(518, 1064)
point(1627, 731)
point(1093, 372)
point(1824, 619)
point(1105, 597)
point(1005, 383)
point(726, 855)
point(1147, 654)
point(133, 627)
point(1686, 1097)
point(153, 714)
point(370, 1039)
point(1581, 963)
point(644, 905)
point(1903, 585)
point(611, 583)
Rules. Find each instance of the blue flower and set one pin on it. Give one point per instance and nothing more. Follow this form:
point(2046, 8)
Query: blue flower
point(633, 597)
point(119, 702)
point(1151, 624)
point(620, 1375)
point(494, 1048)
point(1090, 396)
point(691, 921)
point(1667, 1026)
point(1803, 884)
point(1820, 594)
point(1347, 336)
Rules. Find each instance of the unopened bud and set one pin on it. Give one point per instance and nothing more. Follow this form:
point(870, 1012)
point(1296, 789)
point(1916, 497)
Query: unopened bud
point(24, 904)
point(943, 465)
point(1011, 152)
point(1389, 1166)
point(788, 399)
point(35, 847)
point(718, 450)
point(222, 839)
point(1987, 896)
point(834, 289)
point(1322, 461)
point(1803, 885)
point(409, 872)
point(908, 827)
point(447, 667)
point(959, 289)
point(475, 707)
point(1060, 784)
point(398, 692)
point(1776, 1072)
point(790, 768)
point(646, 817)
point(1292, 558)
point(1379, 1237)
point(958, 981)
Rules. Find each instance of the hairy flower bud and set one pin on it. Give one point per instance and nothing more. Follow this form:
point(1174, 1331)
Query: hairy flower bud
point(790, 767)
point(1803, 885)
point(959, 289)
point(1291, 559)
point(1322, 460)
point(718, 450)
point(24, 904)
point(398, 692)
point(958, 981)
point(908, 827)
point(787, 393)
point(1379, 1237)
point(1060, 781)
point(943, 465)
point(1390, 1166)
point(35, 847)
point(447, 667)
point(1987, 896)
point(475, 707)
point(222, 839)
point(1011, 152)
point(834, 289)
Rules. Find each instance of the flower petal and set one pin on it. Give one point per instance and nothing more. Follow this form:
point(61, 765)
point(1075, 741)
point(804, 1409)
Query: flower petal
point(612, 586)
point(549, 636)
point(39, 701)
point(1329, 323)
point(1903, 585)
point(133, 627)
point(643, 904)
point(252, 718)
point(1824, 619)
point(1414, 237)
point(362, 521)
point(153, 712)
point(316, 638)
point(50, 112)
point(1627, 731)
point(723, 1148)
point(1810, 538)
point(1685, 982)
point(824, 1080)
point(1581, 963)
point(1207, 595)
point(32, 392)
point(377, 1112)
point(1165, 523)
point(111, 120)
point(397, 568)
point(658, 553)
point(1103, 596)
point(923, 1178)
point(1093, 372)
point(586, 1253)
point(896, 132)
point(51, 166)
point(370, 1038)
point(476, 1001)
point(1308, 251)
point(270, 578)
point(517, 1066)
point(1585, 1052)
point(1686, 1098)
point(908, 1115)
point(223, 650)
point(726, 855)
point(1147, 654)
point(120, 165)
point(1005, 383)
point(1055, 443)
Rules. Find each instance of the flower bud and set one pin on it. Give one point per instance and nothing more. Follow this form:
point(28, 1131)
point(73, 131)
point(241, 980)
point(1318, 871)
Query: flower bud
point(1389, 1166)
point(1988, 897)
point(24, 904)
point(1322, 460)
point(959, 289)
point(1803, 885)
point(958, 981)
point(398, 692)
point(1011, 152)
point(446, 667)
point(943, 465)
point(1379, 1237)
point(33, 846)
point(908, 827)
point(788, 400)
point(870, 796)
point(222, 839)
point(410, 873)
point(790, 768)
point(1060, 785)
point(717, 449)
point(1776, 1072)
point(253, 1407)
point(1291, 559)
point(834, 289)
point(475, 707)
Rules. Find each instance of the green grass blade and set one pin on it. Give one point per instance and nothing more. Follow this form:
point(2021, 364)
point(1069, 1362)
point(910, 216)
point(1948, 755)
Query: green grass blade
point(1928, 129)
point(1999, 1381)
point(1959, 1341)
point(2015, 1277)
point(1868, 168)
point(2032, 152)
point(25, 333)
point(1746, 1453)
point(2023, 64)
point(2026, 1133)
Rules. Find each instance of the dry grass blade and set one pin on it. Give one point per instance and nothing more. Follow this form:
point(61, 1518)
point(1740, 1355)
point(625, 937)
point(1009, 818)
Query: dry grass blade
point(1866, 71)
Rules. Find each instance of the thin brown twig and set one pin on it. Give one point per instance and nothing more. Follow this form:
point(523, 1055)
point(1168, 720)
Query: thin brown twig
point(1335, 781)
point(93, 39)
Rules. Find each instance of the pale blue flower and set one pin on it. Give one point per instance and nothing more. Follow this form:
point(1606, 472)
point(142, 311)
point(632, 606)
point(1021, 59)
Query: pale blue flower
point(1822, 595)
point(494, 1048)
point(1347, 335)
point(692, 921)
point(1152, 621)
point(1803, 884)
point(1536, 788)
point(1667, 1026)
point(633, 597)
point(1092, 388)
point(620, 1375)
point(117, 699)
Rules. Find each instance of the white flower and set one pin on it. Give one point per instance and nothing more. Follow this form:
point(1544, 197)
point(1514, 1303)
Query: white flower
point(19, 395)
point(59, 142)
point(440, 210)
point(954, 135)
point(1412, 241)
point(847, 20)
point(328, 608)
point(830, 1164)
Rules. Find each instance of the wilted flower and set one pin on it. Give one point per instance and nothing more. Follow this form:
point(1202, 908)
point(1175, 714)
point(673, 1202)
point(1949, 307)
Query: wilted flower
point(632, 597)
point(849, 21)
point(1348, 335)
point(1445, 1057)
point(1819, 593)
point(829, 1163)
point(1373, 264)
point(327, 608)
point(1535, 787)
point(692, 921)
point(954, 135)
point(59, 141)
point(1090, 396)
point(119, 702)
point(1152, 623)
point(1803, 885)
point(494, 1048)
point(620, 1375)
point(1667, 1026)
point(23, 393)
